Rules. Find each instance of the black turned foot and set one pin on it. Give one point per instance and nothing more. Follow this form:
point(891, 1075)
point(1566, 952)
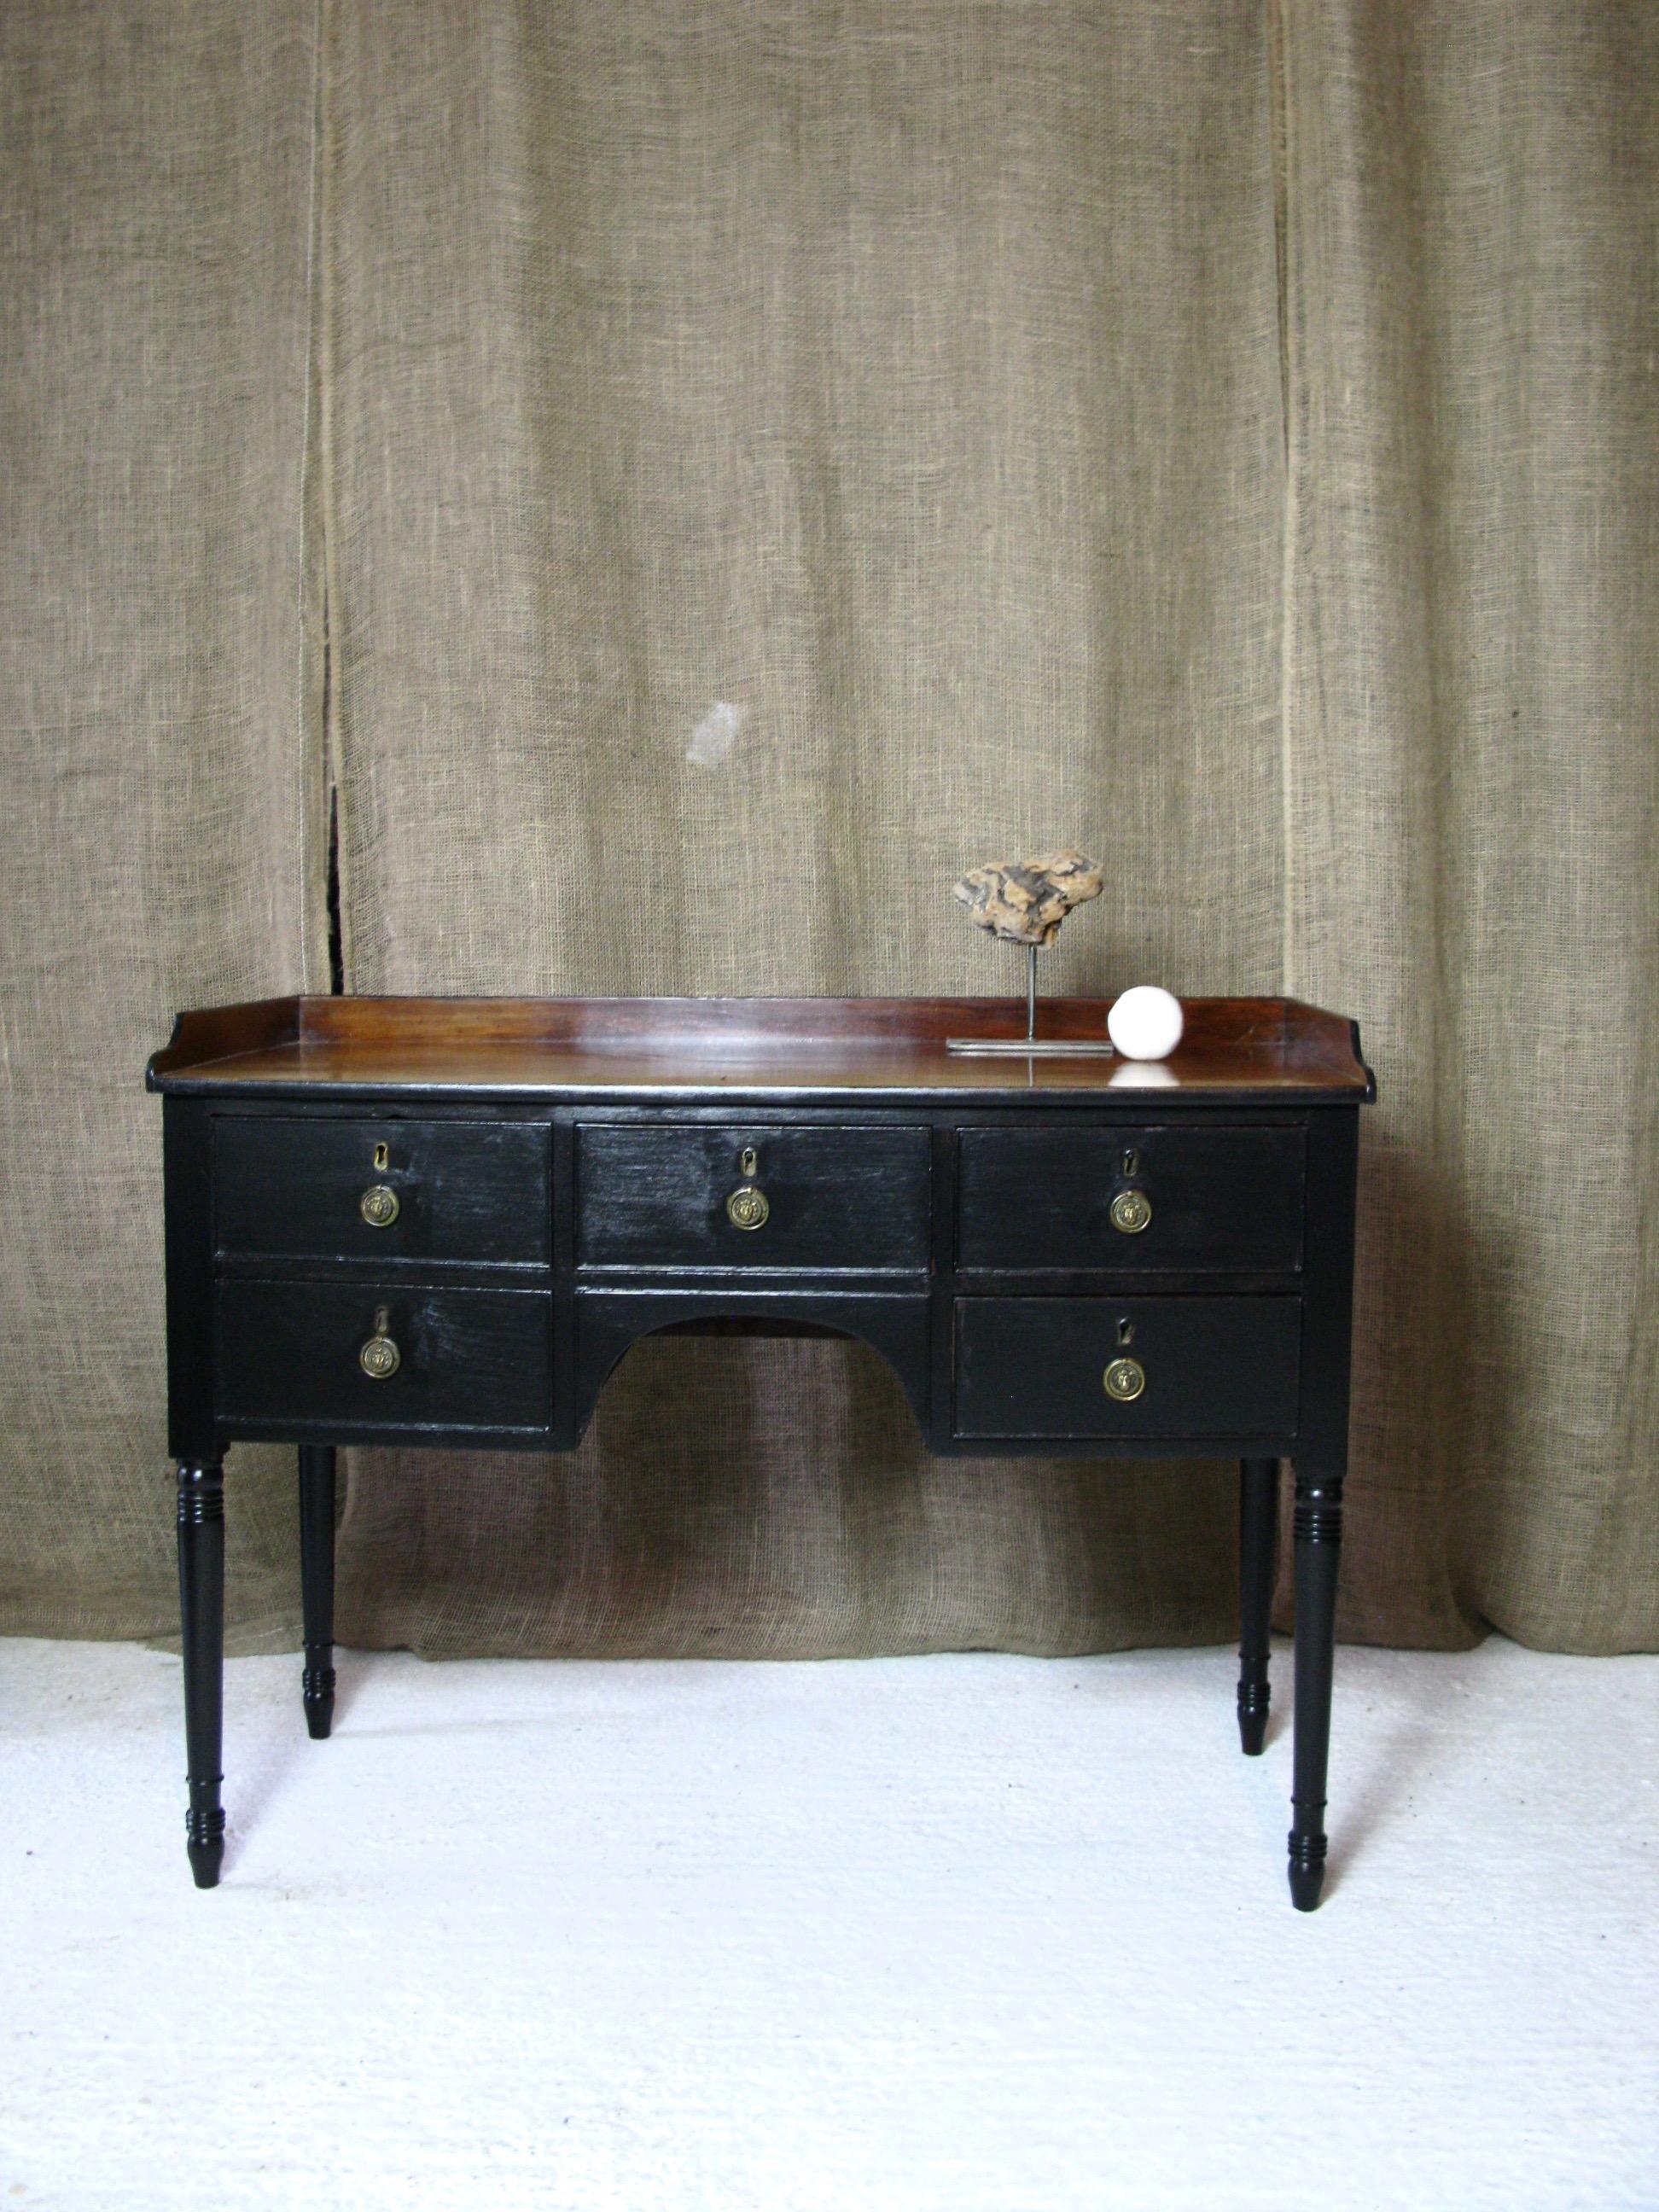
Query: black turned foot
point(1254, 1698)
point(1258, 1563)
point(317, 1584)
point(202, 1622)
point(317, 1685)
point(204, 1842)
point(1307, 1870)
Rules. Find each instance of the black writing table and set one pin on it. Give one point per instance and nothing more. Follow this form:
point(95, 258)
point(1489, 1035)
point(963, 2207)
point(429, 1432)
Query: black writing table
point(443, 1221)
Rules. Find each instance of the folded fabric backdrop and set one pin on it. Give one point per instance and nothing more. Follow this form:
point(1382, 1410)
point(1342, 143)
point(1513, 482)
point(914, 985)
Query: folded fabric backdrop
point(746, 465)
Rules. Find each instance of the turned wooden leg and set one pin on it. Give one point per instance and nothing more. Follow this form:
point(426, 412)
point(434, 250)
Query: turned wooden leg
point(202, 1621)
point(317, 1583)
point(1258, 1564)
point(1318, 1531)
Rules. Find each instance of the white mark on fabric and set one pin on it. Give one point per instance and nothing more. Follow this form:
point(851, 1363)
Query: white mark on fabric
point(716, 735)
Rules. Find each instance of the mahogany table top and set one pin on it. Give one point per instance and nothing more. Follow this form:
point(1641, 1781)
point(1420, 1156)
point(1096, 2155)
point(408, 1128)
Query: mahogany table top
point(1233, 1050)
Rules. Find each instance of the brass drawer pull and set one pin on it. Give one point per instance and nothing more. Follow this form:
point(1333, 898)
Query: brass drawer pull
point(379, 1358)
point(747, 1208)
point(1131, 1210)
point(378, 1206)
point(1125, 1379)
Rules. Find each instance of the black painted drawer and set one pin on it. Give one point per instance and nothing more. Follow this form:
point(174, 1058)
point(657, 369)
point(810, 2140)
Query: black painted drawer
point(290, 1352)
point(846, 1197)
point(464, 1190)
point(1219, 1199)
point(1213, 1367)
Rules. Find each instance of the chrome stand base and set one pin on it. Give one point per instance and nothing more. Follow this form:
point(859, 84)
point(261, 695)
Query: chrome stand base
point(1031, 1048)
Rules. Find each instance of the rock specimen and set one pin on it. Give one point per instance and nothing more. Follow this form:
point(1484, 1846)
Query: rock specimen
point(1025, 901)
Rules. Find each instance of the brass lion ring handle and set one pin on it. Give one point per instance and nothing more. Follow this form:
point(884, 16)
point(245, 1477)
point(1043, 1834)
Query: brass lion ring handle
point(747, 1207)
point(378, 1206)
point(1130, 1211)
point(1125, 1379)
point(379, 1358)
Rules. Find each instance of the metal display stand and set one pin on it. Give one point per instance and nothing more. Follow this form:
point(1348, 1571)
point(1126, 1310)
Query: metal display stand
point(1030, 1045)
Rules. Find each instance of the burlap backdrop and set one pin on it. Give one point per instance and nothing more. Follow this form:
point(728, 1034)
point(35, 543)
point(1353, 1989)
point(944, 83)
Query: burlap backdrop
point(916, 380)
point(159, 717)
point(1471, 716)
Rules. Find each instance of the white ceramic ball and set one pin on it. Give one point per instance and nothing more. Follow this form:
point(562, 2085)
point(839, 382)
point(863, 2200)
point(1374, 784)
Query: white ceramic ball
point(1146, 1024)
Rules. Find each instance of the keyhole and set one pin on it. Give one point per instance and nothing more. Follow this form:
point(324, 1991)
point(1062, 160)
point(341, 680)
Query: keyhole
point(1131, 1162)
point(750, 1160)
point(382, 1320)
point(1126, 1331)
point(381, 1160)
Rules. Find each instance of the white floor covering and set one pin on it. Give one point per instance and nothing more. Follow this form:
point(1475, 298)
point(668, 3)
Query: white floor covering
point(958, 1933)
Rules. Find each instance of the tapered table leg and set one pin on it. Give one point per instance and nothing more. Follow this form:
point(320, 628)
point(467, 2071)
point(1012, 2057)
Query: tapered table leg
point(202, 1621)
point(1318, 1533)
point(1258, 1563)
point(317, 1583)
